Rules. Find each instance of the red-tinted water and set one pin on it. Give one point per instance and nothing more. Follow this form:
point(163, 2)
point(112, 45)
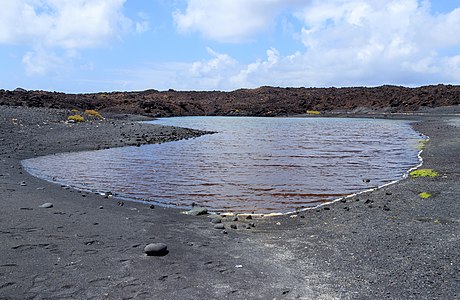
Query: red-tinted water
point(252, 164)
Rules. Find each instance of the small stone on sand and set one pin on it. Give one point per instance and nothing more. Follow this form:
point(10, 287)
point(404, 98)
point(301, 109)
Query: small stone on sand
point(216, 219)
point(197, 211)
point(156, 249)
point(219, 226)
point(46, 205)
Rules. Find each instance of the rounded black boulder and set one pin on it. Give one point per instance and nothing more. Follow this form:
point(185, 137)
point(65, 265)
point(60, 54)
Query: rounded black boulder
point(156, 249)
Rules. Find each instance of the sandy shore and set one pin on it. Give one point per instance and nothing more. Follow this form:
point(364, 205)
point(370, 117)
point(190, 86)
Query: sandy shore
point(387, 244)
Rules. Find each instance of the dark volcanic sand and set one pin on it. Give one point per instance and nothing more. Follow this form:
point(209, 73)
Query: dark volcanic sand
point(389, 244)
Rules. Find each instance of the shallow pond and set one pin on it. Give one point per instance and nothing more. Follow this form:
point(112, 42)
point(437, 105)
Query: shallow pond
point(251, 165)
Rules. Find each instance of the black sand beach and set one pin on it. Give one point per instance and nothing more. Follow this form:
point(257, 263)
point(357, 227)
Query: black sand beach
point(386, 244)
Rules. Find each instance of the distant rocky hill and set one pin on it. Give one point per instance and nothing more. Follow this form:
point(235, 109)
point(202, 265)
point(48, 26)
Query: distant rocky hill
point(263, 101)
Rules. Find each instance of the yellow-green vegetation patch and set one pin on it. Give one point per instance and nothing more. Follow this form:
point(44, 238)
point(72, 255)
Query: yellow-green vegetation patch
point(422, 144)
point(424, 195)
point(76, 118)
point(74, 110)
point(424, 173)
point(313, 112)
point(93, 113)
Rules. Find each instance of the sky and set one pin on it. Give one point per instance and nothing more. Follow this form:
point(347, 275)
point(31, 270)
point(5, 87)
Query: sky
point(80, 46)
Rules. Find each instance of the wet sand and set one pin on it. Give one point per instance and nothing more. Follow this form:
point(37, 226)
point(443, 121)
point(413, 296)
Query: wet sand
point(386, 244)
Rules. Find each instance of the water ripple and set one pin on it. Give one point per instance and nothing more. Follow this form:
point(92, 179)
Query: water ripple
point(252, 164)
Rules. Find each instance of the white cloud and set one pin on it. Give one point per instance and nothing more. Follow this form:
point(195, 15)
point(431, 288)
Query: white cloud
point(144, 24)
point(346, 42)
point(377, 42)
point(40, 62)
point(229, 20)
point(50, 25)
point(73, 24)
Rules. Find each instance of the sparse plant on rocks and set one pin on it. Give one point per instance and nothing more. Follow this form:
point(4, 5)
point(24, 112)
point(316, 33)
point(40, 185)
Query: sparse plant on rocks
point(76, 118)
point(93, 113)
point(422, 144)
point(313, 112)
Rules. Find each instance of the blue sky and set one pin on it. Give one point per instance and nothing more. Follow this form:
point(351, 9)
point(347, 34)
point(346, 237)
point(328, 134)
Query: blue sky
point(106, 45)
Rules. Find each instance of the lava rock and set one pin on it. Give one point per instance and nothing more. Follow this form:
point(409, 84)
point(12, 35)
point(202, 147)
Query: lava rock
point(156, 249)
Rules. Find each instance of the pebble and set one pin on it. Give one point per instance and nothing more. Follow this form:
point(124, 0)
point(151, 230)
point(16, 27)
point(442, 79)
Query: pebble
point(22, 183)
point(233, 226)
point(197, 211)
point(101, 207)
point(156, 249)
point(152, 206)
point(235, 218)
point(46, 205)
point(216, 219)
point(219, 226)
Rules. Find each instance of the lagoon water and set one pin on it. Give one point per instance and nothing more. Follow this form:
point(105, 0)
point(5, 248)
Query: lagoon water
point(251, 165)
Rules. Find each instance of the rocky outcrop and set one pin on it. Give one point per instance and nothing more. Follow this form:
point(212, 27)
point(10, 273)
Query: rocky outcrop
point(263, 101)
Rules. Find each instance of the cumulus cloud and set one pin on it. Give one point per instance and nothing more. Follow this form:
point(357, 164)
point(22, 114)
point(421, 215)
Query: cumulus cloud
point(377, 42)
point(229, 20)
point(68, 24)
point(55, 24)
point(345, 42)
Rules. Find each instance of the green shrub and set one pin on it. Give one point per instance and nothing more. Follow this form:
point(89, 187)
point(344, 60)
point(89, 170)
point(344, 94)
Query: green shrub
point(424, 173)
point(425, 195)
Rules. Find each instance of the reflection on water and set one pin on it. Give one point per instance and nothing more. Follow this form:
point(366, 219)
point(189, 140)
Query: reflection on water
point(252, 164)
